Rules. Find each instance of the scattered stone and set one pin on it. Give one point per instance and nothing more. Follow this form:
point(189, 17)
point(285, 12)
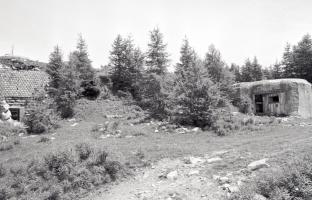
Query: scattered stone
point(215, 159)
point(195, 129)
point(216, 177)
point(74, 124)
point(172, 175)
point(4, 138)
point(225, 186)
point(224, 180)
point(233, 189)
point(193, 172)
point(258, 165)
point(258, 197)
point(193, 160)
point(105, 136)
point(219, 153)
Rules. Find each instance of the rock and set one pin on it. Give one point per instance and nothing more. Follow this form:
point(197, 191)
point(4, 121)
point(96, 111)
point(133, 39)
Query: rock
point(258, 197)
point(105, 136)
point(20, 134)
point(224, 180)
point(172, 175)
point(195, 129)
point(156, 131)
point(193, 172)
point(72, 120)
point(216, 177)
point(194, 160)
point(215, 159)
point(219, 153)
point(4, 138)
point(52, 138)
point(74, 124)
point(258, 164)
point(225, 186)
point(233, 189)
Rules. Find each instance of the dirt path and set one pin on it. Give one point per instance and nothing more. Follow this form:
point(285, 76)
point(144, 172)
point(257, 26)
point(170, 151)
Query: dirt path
point(203, 179)
point(185, 178)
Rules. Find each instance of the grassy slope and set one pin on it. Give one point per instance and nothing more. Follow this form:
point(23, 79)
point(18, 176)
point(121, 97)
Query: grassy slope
point(275, 142)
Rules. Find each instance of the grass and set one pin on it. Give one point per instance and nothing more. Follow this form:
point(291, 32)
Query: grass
point(145, 146)
point(290, 181)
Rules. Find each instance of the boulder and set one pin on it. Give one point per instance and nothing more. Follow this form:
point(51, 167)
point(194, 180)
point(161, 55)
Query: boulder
point(258, 164)
point(215, 159)
point(172, 175)
point(258, 197)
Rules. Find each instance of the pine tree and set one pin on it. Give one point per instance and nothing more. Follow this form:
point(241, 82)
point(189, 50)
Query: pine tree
point(54, 67)
point(302, 54)
point(288, 62)
point(256, 70)
point(235, 69)
point(277, 71)
point(214, 64)
point(195, 95)
point(251, 71)
point(80, 59)
point(126, 62)
point(157, 57)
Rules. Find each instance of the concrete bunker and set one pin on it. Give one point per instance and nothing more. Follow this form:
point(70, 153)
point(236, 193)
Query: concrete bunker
point(278, 97)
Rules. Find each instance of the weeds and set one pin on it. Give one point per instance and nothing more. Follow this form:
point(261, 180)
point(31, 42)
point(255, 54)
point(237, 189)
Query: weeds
point(292, 181)
point(61, 175)
point(5, 146)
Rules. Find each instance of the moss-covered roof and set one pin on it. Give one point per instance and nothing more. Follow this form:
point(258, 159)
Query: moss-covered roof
point(21, 83)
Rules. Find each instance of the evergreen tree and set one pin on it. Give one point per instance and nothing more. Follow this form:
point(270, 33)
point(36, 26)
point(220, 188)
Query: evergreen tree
point(256, 70)
point(302, 54)
point(127, 64)
point(214, 64)
point(288, 62)
point(251, 71)
point(63, 87)
point(235, 69)
point(157, 57)
point(277, 71)
point(53, 69)
point(297, 61)
point(80, 59)
point(195, 96)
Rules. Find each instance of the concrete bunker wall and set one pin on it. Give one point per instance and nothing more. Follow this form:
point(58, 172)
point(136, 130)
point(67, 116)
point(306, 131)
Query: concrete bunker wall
point(279, 97)
point(305, 100)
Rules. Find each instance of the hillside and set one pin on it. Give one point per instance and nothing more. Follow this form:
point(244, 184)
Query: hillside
point(20, 63)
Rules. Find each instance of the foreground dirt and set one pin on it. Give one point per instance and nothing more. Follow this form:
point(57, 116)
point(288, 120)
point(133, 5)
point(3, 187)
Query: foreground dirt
point(215, 174)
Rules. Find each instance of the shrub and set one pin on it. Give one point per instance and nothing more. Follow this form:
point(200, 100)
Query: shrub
point(44, 139)
point(41, 118)
point(245, 104)
point(5, 146)
point(90, 90)
point(2, 171)
point(8, 129)
point(292, 181)
point(83, 150)
point(59, 175)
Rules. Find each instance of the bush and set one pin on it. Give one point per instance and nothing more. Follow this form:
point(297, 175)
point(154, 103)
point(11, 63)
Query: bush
point(8, 129)
point(60, 175)
point(5, 146)
point(90, 90)
point(292, 181)
point(44, 139)
point(83, 150)
point(41, 118)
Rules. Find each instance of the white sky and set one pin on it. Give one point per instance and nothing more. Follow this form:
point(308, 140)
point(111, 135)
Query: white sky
point(238, 28)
